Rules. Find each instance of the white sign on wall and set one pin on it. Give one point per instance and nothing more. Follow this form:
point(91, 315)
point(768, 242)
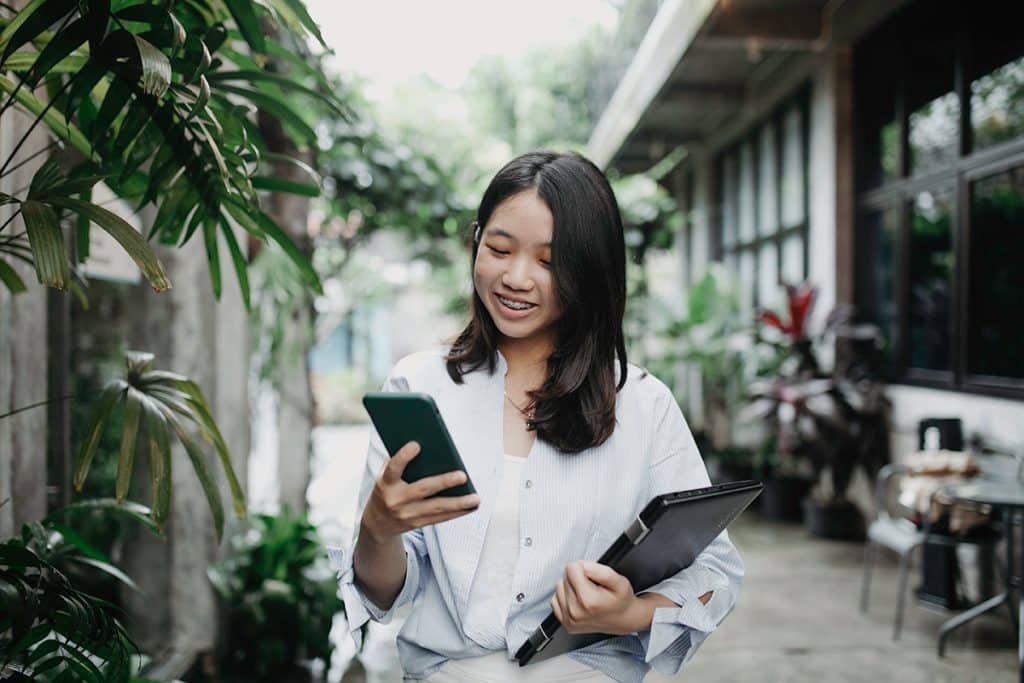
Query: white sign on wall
point(107, 259)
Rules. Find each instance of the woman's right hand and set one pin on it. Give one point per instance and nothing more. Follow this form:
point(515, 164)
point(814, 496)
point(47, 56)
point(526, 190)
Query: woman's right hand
point(395, 506)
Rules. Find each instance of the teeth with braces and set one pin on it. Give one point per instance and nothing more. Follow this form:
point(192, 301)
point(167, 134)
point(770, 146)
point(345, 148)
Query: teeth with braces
point(514, 304)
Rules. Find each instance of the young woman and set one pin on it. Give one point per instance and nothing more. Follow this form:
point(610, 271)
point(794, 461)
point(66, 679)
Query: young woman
point(565, 442)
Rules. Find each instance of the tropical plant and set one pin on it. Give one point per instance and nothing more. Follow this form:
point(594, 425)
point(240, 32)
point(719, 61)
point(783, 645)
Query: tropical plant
point(157, 406)
point(280, 595)
point(838, 420)
point(50, 630)
point(713, 337)
point(154, 99)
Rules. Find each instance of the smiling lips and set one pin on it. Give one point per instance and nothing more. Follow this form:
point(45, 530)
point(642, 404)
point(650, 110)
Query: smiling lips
point(514, 307)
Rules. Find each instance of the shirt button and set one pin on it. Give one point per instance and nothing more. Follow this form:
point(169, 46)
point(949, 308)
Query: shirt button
point(528, 542)
point(528, 483)
point(520, 597)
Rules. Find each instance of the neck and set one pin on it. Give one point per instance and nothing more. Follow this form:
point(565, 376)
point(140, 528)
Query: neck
point(526, 356)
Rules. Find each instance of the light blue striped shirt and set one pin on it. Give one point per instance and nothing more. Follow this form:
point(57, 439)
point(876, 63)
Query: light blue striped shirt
point(571, 507)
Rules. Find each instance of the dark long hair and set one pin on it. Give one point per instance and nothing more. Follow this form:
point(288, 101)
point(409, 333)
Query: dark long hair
point(575, 408)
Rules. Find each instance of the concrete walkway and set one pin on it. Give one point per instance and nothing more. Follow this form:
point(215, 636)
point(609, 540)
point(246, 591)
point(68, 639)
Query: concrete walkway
point(797, 619)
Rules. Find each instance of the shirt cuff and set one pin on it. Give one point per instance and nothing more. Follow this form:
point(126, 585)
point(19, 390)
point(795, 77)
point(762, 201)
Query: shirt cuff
point(677, 632)
point(358, 608)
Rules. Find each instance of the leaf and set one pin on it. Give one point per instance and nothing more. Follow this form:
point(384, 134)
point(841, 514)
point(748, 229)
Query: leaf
point(118, 95)
point(33, 19)
point(238, 259)
point(63, 43)
point(298, 9)
point(109, 569)
point(111, 395)
point(264, 226)
point(212, 254)
point(275, 107)
point(284, 82)
point(159, 462)
point(288, 186)
point(248, 23)
point(126, 235)
point(206, 479)
point(129, 435)
point(133, 511)
point(52, 118)
point(14, 283)
point(44, 235)
point(212, 434)
point(156, 68)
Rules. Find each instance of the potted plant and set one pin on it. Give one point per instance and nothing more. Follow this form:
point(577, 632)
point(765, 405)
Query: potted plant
point(280, 596)
point(830, 422)
point(712, 337)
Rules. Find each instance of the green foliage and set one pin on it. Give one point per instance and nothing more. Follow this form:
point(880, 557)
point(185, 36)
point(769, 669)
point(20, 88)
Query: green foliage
point(280, 595)
point(50, 630)
point(155, 98)
point(157, 406)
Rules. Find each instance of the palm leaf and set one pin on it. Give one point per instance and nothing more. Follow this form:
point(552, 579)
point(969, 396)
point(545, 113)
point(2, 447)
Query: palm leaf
point(202, 469)
point(296, 10)
point(130, 510)
point(248, 23)
point(159, 462)
point(239, 262)
point(14, 283)
point(129, 435)
point(43, 228)
point(126, 235)
point(56, 122)
point(111, 395)
point(30, 21)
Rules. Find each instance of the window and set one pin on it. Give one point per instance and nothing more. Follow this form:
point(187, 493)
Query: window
point(939, 258)
point(762, 181)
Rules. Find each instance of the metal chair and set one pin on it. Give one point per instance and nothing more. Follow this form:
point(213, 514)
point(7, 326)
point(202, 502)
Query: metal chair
point(895, 533)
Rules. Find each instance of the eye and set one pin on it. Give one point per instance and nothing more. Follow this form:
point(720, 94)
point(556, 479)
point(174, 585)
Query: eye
point(498, 252)
point(546, 264)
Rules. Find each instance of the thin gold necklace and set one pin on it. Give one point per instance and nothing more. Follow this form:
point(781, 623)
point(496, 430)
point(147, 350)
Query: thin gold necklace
point(527, 414)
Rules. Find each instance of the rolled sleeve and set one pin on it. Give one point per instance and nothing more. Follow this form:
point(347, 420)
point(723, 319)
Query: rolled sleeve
point(677, 632)
point(359, 609)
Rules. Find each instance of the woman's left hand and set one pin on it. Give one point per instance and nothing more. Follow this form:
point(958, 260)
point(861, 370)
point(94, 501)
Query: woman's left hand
point(594, 598)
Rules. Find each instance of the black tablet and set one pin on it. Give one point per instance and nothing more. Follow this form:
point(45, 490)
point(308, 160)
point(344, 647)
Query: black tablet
point(667, 536)
point(401, 417)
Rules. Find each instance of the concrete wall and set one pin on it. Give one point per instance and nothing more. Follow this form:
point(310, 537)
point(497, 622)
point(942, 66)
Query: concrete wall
point(23, 356)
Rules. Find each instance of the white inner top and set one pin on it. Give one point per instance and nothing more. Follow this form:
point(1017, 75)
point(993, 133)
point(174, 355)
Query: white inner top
point(491, 598)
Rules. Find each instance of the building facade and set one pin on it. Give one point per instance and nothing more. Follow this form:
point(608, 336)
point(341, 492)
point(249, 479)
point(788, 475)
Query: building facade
point(874, 149)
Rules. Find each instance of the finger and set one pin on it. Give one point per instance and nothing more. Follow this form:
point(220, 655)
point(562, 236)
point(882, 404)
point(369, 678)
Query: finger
point(560, 601)
point(605, 576)
point(401, 458)
point(556, 607)
point(439, 505)
point(428, 486)
point(580, 588)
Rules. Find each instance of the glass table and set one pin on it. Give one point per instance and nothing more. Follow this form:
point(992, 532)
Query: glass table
point(1006, 496)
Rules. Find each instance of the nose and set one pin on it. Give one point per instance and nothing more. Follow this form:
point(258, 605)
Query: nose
point(518, 275)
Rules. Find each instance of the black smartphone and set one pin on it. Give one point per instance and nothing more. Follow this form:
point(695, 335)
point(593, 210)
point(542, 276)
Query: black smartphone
point(401, 417)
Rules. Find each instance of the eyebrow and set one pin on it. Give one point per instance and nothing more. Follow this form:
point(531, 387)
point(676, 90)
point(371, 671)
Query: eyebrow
point(504, 233)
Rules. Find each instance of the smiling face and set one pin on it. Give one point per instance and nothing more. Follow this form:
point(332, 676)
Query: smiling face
point(512, 271)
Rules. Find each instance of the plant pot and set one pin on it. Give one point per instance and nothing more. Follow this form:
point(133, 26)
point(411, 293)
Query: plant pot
point(783, 496)
point(840, 520)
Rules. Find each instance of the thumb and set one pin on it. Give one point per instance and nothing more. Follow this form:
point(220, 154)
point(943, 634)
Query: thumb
point(402, 457)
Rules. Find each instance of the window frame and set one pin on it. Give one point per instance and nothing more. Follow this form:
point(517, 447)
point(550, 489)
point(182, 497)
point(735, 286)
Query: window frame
point(800, 100)
point(969, 166)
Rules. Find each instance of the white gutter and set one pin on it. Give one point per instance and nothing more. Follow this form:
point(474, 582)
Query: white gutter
point(663, 46)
